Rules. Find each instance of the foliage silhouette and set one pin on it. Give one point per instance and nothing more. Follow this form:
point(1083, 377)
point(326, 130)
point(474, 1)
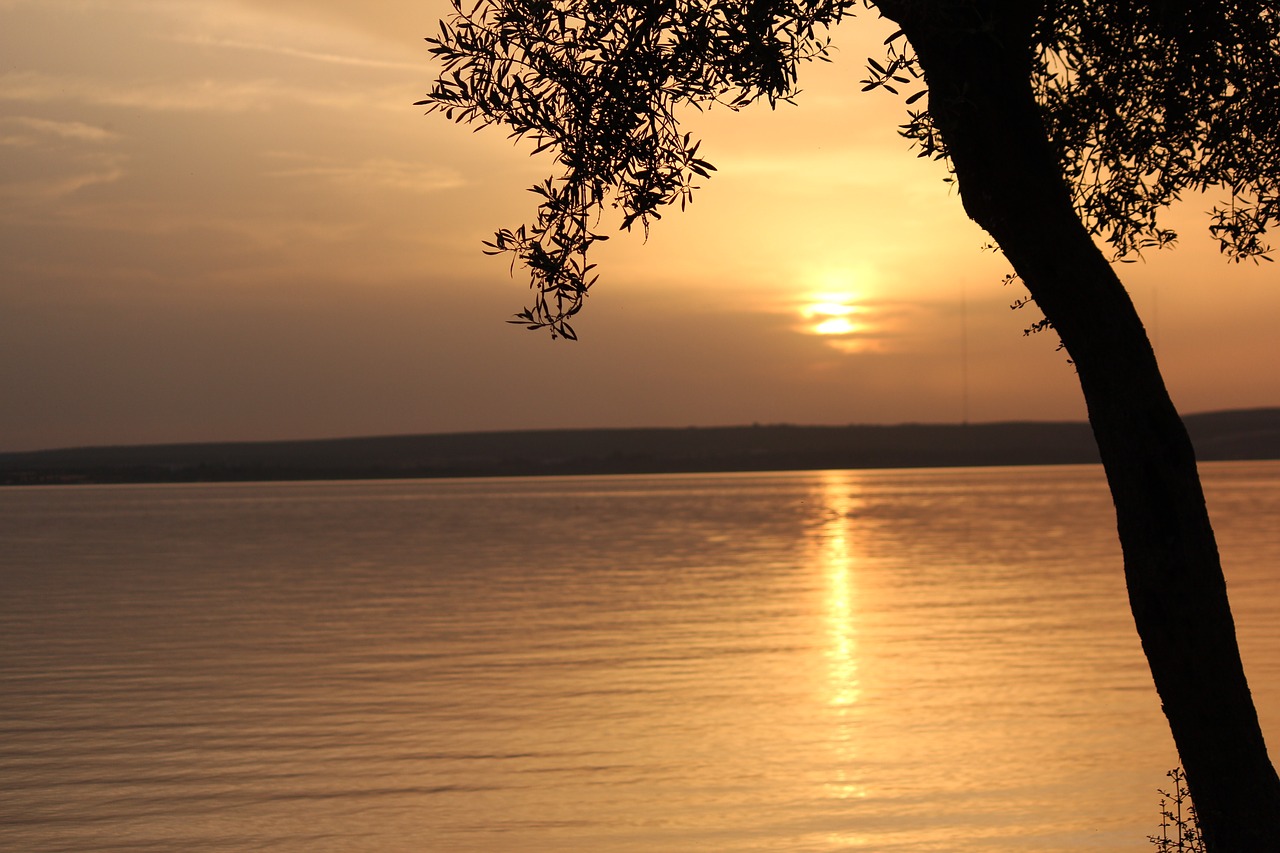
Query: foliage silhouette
point(1177, 815)
point(1142, 104)
point(1066, 123)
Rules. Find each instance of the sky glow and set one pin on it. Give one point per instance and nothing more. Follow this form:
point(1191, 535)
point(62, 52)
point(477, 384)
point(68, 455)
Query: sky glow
point(225, 220)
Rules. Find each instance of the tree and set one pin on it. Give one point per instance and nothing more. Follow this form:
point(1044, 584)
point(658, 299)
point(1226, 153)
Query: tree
point(1067, 124)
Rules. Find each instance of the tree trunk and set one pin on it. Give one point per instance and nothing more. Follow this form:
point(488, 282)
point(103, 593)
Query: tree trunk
point(976, 59)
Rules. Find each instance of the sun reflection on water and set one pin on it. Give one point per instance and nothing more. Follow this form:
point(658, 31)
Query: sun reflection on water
point(839, 562)
point(843, 653)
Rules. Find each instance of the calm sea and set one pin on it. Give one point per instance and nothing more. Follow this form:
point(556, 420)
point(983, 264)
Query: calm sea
point(820, 661)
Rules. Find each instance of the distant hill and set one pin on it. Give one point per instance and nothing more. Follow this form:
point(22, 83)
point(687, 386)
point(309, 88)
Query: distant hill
point(1247, 434)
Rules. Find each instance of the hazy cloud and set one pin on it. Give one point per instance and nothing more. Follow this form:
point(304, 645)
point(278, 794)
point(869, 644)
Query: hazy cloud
point(38, 129)
point(53, 159)
point(371, 174)
point(196, 94)
point(49, 189)
point(297, 53)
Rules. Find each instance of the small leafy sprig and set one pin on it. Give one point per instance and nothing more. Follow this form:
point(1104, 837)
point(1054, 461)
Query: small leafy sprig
point(1179, 831)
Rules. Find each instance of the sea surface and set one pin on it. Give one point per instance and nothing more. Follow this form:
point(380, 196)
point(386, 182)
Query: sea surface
point(928, 660)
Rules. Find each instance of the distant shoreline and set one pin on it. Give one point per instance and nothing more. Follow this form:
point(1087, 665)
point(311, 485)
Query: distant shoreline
point(1239, 434)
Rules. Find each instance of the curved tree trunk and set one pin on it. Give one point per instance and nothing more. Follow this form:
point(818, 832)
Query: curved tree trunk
point(975, 57)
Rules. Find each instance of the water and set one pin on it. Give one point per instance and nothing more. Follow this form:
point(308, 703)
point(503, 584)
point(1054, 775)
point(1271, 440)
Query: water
point(816, 661)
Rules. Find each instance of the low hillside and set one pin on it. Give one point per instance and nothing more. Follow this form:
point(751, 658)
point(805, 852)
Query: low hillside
point(1249, 434)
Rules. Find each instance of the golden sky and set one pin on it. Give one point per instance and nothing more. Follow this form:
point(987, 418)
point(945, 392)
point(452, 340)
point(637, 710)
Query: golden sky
point(225, 220)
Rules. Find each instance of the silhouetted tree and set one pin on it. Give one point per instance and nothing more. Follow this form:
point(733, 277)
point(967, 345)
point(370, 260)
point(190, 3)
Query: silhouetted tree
point(1067, 123)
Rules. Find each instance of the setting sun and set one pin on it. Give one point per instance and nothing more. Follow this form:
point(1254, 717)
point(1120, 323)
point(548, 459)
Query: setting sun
point(837, 317)
point(835, 326)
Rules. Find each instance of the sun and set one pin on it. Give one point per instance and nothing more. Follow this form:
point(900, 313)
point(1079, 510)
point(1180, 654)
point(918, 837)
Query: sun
point(836, 326)
point(831, 314)
point(835, 307)
point(836, 316)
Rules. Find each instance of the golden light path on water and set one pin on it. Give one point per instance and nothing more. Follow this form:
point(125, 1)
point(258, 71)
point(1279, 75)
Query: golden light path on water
point(839, 562)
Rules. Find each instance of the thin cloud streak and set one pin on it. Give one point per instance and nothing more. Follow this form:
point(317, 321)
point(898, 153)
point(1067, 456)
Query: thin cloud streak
point(297, 53)
point(191, 96)
point(58, 188)
point(73, 130)
point(374, 173)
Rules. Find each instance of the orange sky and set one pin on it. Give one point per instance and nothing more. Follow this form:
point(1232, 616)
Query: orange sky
point(226, 220)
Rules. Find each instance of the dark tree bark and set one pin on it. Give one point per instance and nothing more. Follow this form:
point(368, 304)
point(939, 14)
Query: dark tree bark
point(977, 64)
